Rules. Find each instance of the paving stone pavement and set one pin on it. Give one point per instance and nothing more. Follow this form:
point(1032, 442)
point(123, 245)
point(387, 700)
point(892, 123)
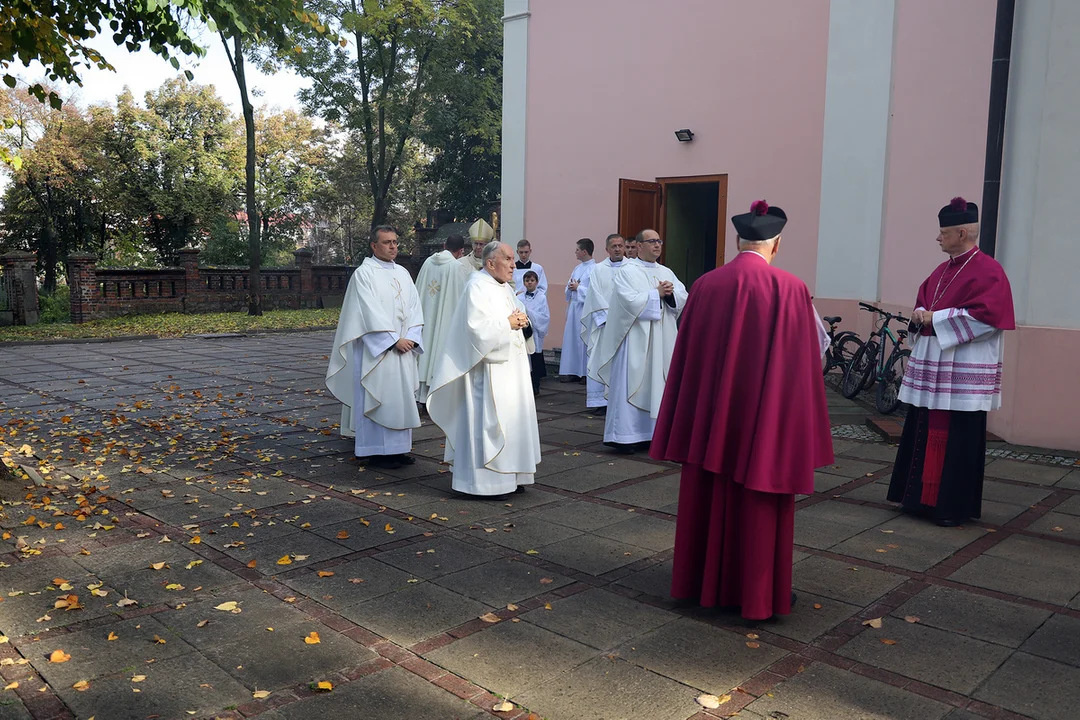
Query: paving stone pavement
point(213, 526)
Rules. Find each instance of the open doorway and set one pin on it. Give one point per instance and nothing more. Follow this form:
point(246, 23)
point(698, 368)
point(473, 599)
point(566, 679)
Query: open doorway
point(688, 212)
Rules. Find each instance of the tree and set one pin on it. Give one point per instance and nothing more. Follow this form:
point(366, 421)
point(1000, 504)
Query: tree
point(377, 82)
point(54, 34)
point(462, 121)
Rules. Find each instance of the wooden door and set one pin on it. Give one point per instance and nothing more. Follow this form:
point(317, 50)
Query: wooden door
point(639, 206)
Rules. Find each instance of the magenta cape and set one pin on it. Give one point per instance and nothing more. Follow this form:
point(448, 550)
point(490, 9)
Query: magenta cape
point(745, 398)
point(981, 288)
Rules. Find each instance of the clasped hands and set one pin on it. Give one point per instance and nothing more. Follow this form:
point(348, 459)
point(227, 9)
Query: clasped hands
point(573, 285)
point(403, 346)
point(925, 318)
point(518, 320)
point(665, 288)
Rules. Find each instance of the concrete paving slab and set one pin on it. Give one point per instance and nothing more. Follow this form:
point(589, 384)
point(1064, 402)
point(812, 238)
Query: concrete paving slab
point(1026, 472)
point(593, 555)
point(1058, 639)
point(416, 613)
point(397, 694)
point(502, 581)
point(601, 474)
point(302, 548)
point(172, 688)
point(874, 452)
point(849, 468)
point(644, 531)
point(436, 556)
point(807, 621)
point(602, 689)
point(651, 494)
point(510, 658)
point(355, 535)
point(828, 523)
point(351, 583)
point(655, 581)
point(1028, 567)
point(1012, 493)
point(583, 515)
point(528, 533)
point(823, 692)
point(599, 618)
point(1070, 481)
point(977, 616)
point(1057, 524)
point(1034, 687)
point(702, 656)
point(936, 657)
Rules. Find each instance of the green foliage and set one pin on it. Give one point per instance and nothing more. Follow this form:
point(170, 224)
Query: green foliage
point(396, 56)
point(56, 306)
point(174, 325)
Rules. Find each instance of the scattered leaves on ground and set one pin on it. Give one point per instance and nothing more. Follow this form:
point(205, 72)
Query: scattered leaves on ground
point(58, 656)
point(312, 638)
point(490, 617)
point(504, 706)
point(874, 623)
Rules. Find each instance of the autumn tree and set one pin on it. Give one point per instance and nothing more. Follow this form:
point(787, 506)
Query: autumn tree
point(376, 85)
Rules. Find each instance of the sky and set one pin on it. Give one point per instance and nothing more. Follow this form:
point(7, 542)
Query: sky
point(142, 71)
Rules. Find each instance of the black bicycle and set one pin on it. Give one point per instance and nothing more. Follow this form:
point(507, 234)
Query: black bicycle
point(871, 364)
point(842, 347)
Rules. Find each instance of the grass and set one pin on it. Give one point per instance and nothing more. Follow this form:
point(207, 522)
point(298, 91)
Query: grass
point(174, 325)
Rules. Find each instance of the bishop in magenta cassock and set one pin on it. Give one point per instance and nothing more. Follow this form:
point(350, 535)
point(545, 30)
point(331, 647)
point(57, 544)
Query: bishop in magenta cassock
point(481, 394)
point(954, 375)
point(744, 413)
point(372, 368)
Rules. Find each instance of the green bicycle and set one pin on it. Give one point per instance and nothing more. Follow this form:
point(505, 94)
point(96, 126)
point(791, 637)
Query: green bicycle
point(871, 364)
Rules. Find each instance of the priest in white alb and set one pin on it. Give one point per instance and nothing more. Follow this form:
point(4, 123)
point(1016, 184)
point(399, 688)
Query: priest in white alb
point(573, 360)
point(441, 282)
point(480, 234)
point(634, 350)
point(594, 316)
point(481, 394)
point(373, 368)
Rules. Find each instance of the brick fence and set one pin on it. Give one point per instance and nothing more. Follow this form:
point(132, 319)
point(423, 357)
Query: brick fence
point(109, 292)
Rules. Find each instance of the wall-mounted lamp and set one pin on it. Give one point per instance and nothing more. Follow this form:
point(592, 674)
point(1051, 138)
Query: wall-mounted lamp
point(684, 135)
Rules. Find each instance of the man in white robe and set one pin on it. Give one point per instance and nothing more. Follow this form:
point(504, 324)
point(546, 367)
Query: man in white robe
point(373, 369)
point(634, 350)
point(440, 283)
point(524, 264)
point(594, 315)
point(574, 360)
point(536, 307)
point(480, 234)
point(480, 395)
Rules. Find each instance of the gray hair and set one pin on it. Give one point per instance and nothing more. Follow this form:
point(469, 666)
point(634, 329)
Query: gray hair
point(743, 242)
point(490, 249)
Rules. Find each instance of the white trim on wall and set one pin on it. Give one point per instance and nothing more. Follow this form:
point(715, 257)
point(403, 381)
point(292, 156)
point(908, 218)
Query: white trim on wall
point(515, 96)
point(858, 93)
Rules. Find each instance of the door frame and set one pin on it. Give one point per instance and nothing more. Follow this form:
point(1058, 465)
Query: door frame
point(721, 211)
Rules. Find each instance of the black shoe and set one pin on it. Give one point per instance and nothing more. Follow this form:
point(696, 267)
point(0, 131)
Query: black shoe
point(567, 378)
point(946, 522)
point(519, 489)
point(794, 599)
point(599, 411)
point(386, 462)
point(643, 446)
point(621, 448)
point(406, 459)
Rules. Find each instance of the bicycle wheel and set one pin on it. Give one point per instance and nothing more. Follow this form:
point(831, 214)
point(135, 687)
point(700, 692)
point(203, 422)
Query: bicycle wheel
point(859, 369)
point(888, 389)
point(844, 348)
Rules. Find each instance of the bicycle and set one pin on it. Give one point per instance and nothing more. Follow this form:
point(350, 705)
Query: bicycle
point(870, 364)
point(842, 347)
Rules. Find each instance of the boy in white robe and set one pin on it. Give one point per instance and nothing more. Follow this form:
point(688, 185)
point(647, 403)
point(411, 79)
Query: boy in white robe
point(373, 369)
point(480, 392)
point(536, 307)
point(574, 360)
point(523, 265)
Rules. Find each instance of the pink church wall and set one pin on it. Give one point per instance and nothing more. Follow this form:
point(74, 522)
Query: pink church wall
point(937, 136)
point(609, 83)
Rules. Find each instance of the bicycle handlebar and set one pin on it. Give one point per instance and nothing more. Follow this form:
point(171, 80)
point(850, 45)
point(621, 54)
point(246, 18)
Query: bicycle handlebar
point(887, 315)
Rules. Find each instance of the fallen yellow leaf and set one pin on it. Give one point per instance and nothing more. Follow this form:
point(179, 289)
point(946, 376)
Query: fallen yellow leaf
point(174, 586)
point(251, 563)
point(504, 706)
point(159, 640)
point(911, 618)
point(81, 685)
point(874, 623)
point(889, 642)
point(324, 685)
point(157, 565)
point(312, 638)
point(112, 636)
point(389, 529)
point(138, 678)
point(284, 560)
point(192, 564)
point(59, 656)
point(195, 540)
point(710, 702)
point(342, 535)
point(226, 606)
point(11, 686)
point(490, 617)
point(325, 573)
point(753, 645)
point(260, 694)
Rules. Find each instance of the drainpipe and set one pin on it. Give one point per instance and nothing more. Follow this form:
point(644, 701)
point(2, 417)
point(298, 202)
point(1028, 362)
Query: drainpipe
point(995, 126)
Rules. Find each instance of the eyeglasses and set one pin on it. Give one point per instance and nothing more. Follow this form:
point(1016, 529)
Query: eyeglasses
point(654, 241)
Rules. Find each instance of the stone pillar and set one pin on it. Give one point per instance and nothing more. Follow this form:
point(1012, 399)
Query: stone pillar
point(20, 279)
point(82, 282)
point(306, 291)
point(189, 261)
